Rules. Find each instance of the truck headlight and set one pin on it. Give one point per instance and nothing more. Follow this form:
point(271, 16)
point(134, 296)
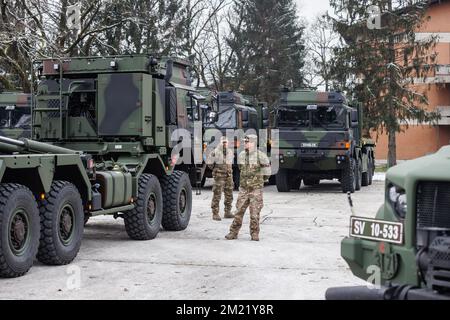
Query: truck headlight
point(399, 201)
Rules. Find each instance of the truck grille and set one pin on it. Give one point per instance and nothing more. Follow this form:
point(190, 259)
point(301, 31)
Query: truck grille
point(433, 206)
point(438, 275)
point(53, 104)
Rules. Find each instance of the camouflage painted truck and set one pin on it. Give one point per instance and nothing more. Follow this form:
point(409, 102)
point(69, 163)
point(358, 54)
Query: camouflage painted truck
point(237, 113)
point(15, 115)
point(405, 250)
point(102, 127)
point(320, 138)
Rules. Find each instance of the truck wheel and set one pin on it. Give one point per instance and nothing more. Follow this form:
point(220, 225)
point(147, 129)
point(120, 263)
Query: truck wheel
point(273, 181)
point(177, 198)
point(202, 184)
point(295, 184)
point(311, 182)
point(19, 230)
point(283, 181)
point(365, 178)
point(348, 180)
point(62, 224)
point(144, 221)
point(372, 172)
point(358, 175)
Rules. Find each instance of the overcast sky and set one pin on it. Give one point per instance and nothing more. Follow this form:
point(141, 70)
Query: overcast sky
point(309, 9)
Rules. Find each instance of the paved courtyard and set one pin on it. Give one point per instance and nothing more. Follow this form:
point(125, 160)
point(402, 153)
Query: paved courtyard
point(298, 257)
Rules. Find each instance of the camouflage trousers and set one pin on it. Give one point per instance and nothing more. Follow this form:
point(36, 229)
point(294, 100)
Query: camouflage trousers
point(222, 185)
point(252, 199)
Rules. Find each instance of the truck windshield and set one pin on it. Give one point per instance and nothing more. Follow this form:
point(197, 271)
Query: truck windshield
point(328, 117)
point(227, 119)
point(293, 117)
point(323, 117)
point(19, 118)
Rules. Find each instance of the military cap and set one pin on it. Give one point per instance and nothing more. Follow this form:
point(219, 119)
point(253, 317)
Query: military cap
point(251, 137)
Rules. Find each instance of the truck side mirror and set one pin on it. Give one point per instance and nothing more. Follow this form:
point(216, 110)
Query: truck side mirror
point(354, 119)
point(245, 115)
point(245, 119)
point(265, 113)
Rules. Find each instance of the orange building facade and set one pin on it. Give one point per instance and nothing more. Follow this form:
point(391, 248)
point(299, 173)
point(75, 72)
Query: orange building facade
point(420, 140)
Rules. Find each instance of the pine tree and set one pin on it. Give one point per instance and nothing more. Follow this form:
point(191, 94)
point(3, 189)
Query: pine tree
point(381, 60)
point(269, 48)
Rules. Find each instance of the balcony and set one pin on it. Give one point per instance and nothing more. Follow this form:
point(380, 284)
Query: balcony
point(442, 73)
point(445, 115)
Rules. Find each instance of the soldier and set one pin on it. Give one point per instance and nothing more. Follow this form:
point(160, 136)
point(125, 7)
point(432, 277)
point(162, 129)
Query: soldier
point(221, 162)
point(255, 170)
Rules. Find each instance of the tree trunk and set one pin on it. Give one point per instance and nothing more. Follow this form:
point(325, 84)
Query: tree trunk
point(392, 124)
point(392, 154)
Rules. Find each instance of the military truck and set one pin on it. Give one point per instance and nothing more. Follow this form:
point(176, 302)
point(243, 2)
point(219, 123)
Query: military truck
point(320, 137)
point(15, 115)
point(238, 113)
point(405, 250)
point(102, 128)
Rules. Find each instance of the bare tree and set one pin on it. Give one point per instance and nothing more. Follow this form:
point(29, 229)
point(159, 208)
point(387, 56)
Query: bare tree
point(199, 18)
point(33, 29)
point(320, 43)
point(214, 52)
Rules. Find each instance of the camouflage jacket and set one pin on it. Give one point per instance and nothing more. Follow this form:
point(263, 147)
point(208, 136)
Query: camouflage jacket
point(220, 165)
point(255, 169)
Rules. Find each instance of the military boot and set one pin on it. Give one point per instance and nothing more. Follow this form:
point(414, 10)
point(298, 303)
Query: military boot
point(216, 217)
point(229, 215)
point(231, 236)
point(255, 237)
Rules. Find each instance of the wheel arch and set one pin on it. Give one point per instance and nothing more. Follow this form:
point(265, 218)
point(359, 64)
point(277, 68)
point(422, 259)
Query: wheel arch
point(154, 165)
point(28, 177)
point(72, 174)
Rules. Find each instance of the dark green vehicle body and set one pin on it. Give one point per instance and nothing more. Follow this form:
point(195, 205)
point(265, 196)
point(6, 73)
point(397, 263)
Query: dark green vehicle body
point(320, 138)
point(15, 115)
point(102, 129)
point(236, 114)
point(419, 266)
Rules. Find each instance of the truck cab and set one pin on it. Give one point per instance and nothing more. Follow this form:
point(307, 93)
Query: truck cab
point(405, 248)
point(320, 138)
point(237, 114)
point(15, 115)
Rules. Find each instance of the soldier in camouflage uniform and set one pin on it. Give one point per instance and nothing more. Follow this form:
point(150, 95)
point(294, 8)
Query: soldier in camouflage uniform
point(255, 170)
point(221, 163)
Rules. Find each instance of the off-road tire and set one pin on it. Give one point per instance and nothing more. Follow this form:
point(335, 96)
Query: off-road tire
point(372, 171)
point(203, 183)
point(283, 181)
point(177, 197)
point(295, 184)
point(272, 181)
point(348, 180)
point(358, 175)
point(13, 197)
point(366, 176)
point(63, 199)
point(143, 223)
